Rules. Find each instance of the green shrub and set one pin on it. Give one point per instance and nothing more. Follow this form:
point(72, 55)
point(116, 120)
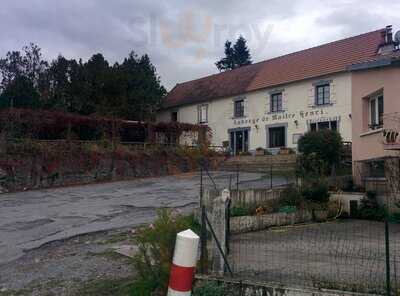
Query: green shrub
point(156, 246)
point(238, 211)
point(326, 145)
point(291, 197)
point(395, 217)
point(316, 191)
point(370, 209)
point(310, 165)
point(245, 153)
point(209, 289)
point(267, 152)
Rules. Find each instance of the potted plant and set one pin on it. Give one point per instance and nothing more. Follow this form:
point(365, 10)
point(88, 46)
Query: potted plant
point(284, 151)
point(260, 151)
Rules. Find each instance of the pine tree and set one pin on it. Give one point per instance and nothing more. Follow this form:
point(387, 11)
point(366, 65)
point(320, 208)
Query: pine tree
point(241, 53)
point(227, 63)
point(236, 56)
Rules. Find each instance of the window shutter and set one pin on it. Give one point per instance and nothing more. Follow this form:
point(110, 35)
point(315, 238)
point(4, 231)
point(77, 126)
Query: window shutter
point(333, 97)
point(268, 105)
point(311, 97)
point(246, 108)
point(284, 101)
point(198, 113)
point(229, 110)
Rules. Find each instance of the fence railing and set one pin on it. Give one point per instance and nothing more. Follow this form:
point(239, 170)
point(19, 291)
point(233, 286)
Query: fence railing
point(353, 255)
point(349, 254)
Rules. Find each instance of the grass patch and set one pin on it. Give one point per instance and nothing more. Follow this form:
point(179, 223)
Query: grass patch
point(15, 292)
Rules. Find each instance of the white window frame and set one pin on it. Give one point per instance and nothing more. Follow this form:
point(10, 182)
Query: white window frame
point(202, 115)
point(296, 138)
point(326, 100)
point(330, 125)
point(242, 108)
point(374, 122)
point(279, 102)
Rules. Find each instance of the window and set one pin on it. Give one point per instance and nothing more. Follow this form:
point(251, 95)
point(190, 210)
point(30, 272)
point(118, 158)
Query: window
point(376, 112)
point(239, 108)
point(174, 116)
point(277, 137)
point(323, 125)
point(376, 169)
point(202, 113)
point(331, 125)
point(276, 102)
point(296, 138)
point(322, 94)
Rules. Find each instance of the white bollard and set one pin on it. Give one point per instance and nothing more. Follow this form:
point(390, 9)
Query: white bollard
point(183, 263)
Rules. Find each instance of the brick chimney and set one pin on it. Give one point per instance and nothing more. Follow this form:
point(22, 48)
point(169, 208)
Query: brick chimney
point(388, 46)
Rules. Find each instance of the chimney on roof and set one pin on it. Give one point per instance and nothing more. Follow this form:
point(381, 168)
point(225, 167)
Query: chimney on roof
point(388, 35)
point(388, 46)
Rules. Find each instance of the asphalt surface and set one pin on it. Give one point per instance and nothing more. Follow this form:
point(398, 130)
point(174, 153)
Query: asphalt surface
point(31, 219)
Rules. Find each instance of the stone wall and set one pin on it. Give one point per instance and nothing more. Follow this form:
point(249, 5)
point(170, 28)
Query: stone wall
point(261, 163)
point(245, 197)
point(345, 198)
point(255, 196)
point(38, 165)
point(254, 223)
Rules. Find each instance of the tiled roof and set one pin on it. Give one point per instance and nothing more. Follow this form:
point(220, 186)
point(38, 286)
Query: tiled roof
point(377, 62)
point(318, 61)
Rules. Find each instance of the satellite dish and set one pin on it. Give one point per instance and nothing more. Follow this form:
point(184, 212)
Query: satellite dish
point(397, 37)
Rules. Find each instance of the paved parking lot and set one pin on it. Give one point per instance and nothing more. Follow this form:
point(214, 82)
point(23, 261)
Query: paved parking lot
point(30, 219)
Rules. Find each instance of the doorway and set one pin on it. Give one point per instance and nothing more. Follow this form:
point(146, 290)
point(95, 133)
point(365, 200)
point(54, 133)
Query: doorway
point(276, 136)
point(239, 140)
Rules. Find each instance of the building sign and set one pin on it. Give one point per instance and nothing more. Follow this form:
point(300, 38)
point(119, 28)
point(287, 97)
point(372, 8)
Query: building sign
point(315, 115)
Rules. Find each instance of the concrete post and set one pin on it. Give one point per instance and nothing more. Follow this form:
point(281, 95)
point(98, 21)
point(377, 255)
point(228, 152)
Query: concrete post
point(218, 222)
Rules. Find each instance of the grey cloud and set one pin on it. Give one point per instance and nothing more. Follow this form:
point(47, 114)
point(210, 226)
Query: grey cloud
point(78, 28)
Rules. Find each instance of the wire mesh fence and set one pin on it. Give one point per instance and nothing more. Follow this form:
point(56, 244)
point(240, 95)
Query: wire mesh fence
point(241, 178)
point(345, 255)
point(348, 254)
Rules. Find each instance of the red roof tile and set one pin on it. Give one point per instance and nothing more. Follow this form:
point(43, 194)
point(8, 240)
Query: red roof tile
point(318, 61)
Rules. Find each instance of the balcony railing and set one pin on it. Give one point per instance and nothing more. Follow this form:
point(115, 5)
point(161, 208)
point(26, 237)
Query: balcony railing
point(391, 131)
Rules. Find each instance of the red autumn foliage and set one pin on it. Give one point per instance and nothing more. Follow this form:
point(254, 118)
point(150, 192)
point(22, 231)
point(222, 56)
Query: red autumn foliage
point(55, 125)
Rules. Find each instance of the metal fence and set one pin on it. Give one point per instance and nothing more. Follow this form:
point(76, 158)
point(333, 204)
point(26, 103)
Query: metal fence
point(239, 177)
point(346, 255)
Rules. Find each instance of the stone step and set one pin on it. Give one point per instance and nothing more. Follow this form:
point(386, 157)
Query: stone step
point(260, 163)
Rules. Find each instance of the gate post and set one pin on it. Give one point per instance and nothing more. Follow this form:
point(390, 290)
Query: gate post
point(219, 223)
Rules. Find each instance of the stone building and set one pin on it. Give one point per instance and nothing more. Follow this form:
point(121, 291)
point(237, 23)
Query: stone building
point(271, 104)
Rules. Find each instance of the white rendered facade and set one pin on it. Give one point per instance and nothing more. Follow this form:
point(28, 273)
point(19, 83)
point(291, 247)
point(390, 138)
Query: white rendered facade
point(297, 113)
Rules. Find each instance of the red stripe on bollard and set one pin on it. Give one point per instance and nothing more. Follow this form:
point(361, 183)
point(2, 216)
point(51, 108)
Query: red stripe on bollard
point(181, 278)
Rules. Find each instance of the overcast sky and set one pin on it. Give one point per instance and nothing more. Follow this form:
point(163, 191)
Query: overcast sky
point(185, 38)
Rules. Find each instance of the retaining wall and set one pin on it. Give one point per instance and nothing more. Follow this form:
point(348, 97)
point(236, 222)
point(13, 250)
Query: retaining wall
point(255, 196)
point(253, 223)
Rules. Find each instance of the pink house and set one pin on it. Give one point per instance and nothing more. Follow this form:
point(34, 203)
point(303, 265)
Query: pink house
point(376, 113)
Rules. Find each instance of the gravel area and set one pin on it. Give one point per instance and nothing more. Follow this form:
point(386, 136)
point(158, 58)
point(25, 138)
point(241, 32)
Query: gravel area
point(62, 267)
